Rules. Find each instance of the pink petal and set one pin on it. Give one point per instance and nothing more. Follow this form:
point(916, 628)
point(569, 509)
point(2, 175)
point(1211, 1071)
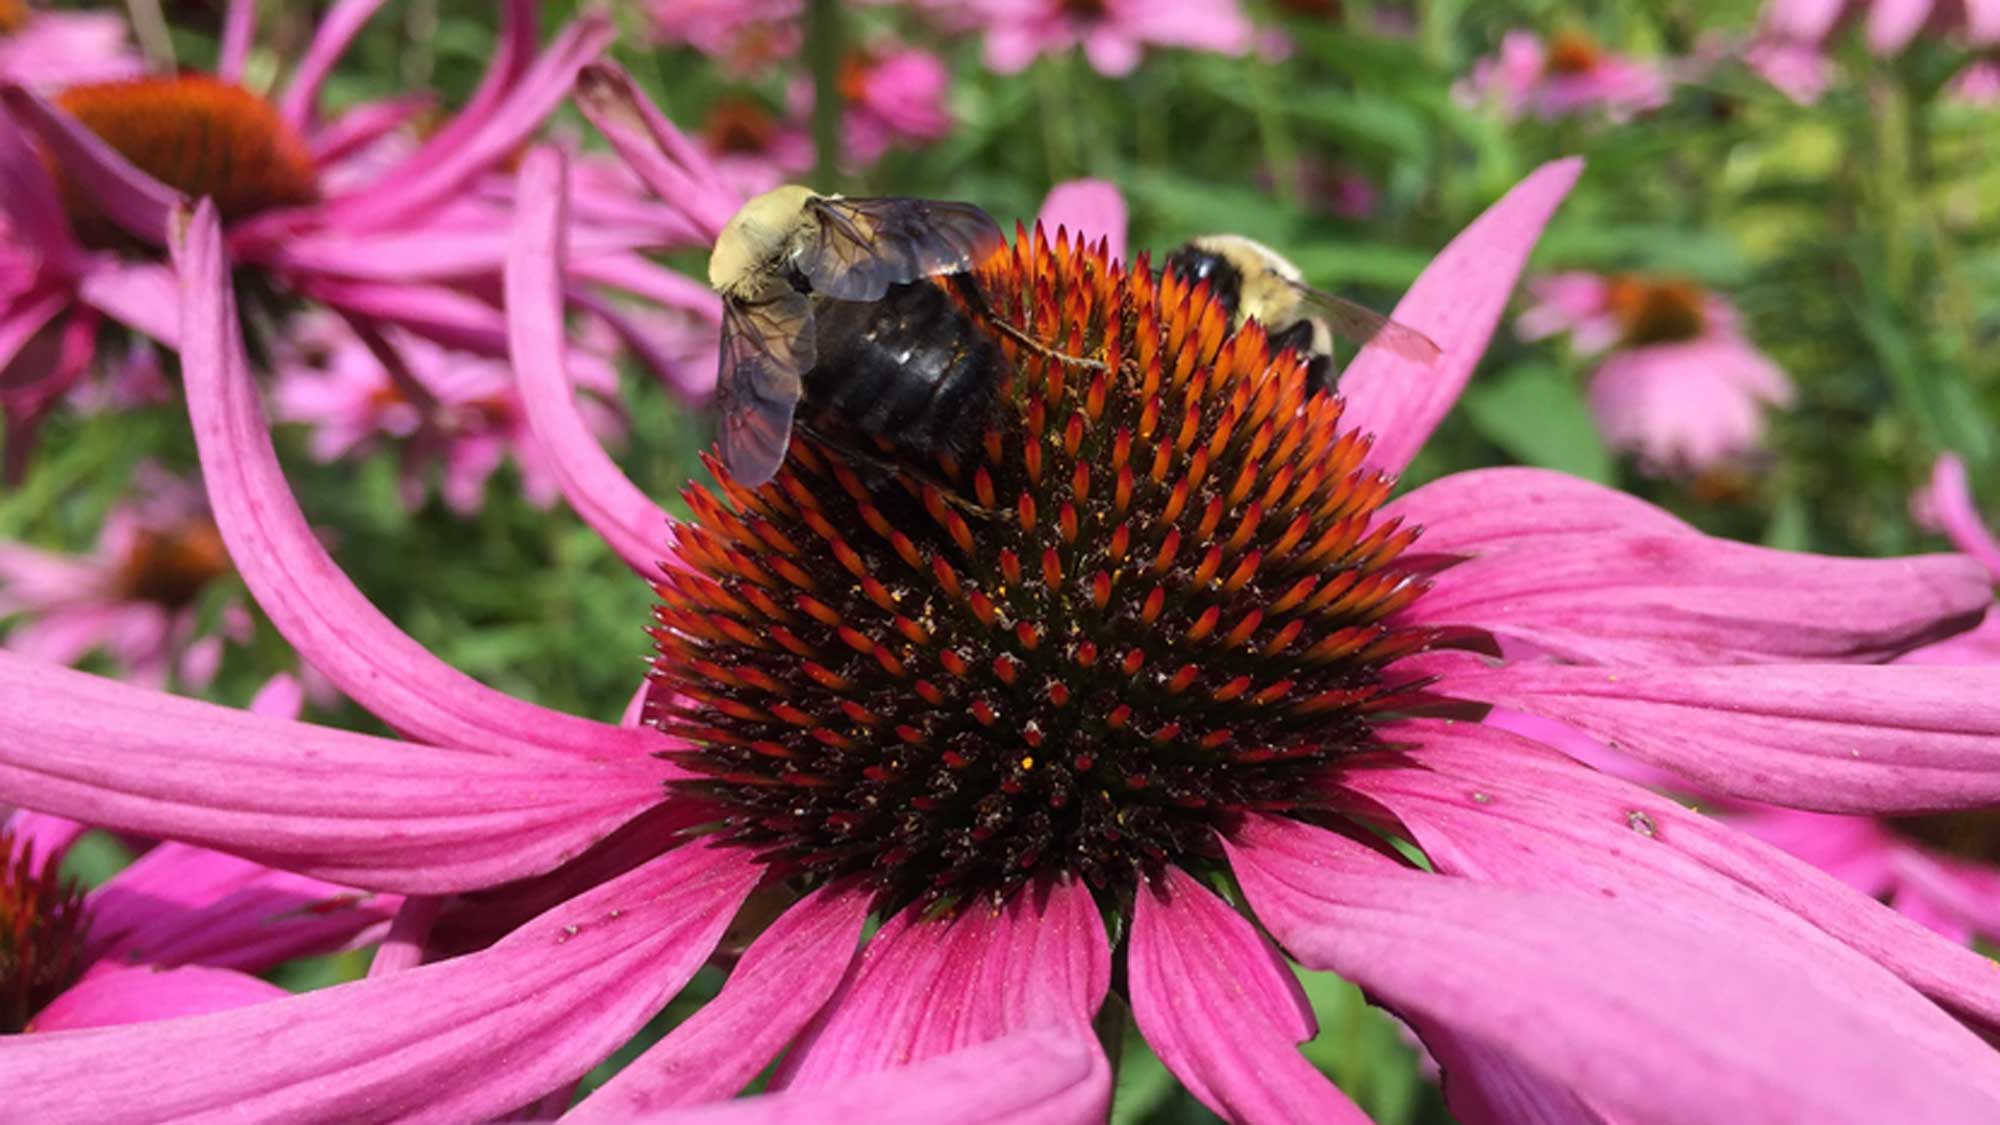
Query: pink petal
point(1091, 208)
point(460, 1040)
point(1469, 512)
point(782, 980)
point(512, 53)
point(1835, 738)
point(656, 151)
point(331, 37)
point(539, 91)
point(239, 35)
point(42, 837)
point(929, 987)
point(34, 212)
point(1222, 1010)
point(141, 296)
point(1639, 1010)
point(404, 946)
point(1673, 599)
point(1483, 1085)
point(596, 488)
point(135, 201)
point(306, 595)
point(443, 314)
point(1950, 499)
point(145, 993)
point(1893, 23)
point(1492, 807)
point(346, 807)
point(1040, 1076)
point(180, 905)
point(365, 124)
point(1456, 301)
point(419, 254)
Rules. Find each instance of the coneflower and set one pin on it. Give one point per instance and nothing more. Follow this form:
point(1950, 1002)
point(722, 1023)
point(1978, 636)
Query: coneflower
point(948, 697)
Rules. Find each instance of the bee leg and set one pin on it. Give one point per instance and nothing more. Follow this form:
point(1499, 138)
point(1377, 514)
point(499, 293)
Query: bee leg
point(976, 299)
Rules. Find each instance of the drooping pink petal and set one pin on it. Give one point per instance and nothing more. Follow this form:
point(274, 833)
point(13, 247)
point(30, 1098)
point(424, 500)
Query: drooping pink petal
point(140, 295)
point(306, 595)
point(635, 527)
point(656, 151)
point(1222, 1010)
point(345, 807)
point(403, 947)
point(182, 905)
point(137, 202)
point(332, 35)
point(1041, 1076)
point(1491, 807)
point(144, 993)
point(443, 314)
point(28, 201)
point(1554, 979)
point(511, 55)
point(1484, 1085)
point(1950, 498)
point(239, 34)
point(541, 88)
point(460, 1040)
point(1456, 301)
point(365, 124)
point(929, 987)
point(1471, 511)
point(1091, 208)
point(465, 254)
point(1677, 599)
point(782, 980)
point(1853, 739)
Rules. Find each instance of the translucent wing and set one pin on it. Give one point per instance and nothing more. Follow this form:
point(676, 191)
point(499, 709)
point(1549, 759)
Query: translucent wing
point(863, 246)
point(1364, 325)
point(767, 348)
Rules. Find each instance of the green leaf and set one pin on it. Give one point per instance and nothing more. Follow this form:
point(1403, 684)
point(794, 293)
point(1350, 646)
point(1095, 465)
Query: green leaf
point(1535, 414)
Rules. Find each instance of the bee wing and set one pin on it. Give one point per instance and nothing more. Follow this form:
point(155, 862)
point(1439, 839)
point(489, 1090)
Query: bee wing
point(863, 246)
point(1363, 325)
point(767, 348)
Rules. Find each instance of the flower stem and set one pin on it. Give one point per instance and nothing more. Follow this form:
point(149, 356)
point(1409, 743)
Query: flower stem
point(823, 49)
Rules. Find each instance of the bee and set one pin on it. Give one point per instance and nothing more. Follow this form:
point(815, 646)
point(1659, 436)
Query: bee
point(1255, 282)
point(830, 300)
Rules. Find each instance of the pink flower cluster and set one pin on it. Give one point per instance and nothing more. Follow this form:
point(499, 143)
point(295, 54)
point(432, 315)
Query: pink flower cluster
point(1790, 50)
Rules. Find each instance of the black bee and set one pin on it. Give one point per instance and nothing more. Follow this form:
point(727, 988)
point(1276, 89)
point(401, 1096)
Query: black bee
point(830, 300)
point(1254, 282)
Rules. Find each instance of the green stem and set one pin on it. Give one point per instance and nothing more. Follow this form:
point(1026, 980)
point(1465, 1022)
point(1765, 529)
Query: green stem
point(823, 52)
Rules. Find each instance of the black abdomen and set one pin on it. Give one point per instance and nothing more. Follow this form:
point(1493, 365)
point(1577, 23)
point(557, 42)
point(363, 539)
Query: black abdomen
point(912, 368)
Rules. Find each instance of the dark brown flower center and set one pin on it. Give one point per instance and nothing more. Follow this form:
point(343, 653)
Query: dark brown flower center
point(1573, 52)
point(171, 566)
point(1973, 834)
point(1156, 595)
point(1657, 310)
point(1086, 11)
point(41, 935)
point(198, 135)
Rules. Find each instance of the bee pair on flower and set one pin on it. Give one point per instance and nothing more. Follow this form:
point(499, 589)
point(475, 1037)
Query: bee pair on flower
point(868, 311)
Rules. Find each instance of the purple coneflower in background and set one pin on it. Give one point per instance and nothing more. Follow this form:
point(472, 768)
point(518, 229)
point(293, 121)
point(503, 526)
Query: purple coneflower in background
point(1199, 641)
point(414, 244)
point(134, 598)
point(890, 96)
point(745, 36)
point(177, 932)
point(1570, 74)
point(1681, 387)
point(458, 409)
